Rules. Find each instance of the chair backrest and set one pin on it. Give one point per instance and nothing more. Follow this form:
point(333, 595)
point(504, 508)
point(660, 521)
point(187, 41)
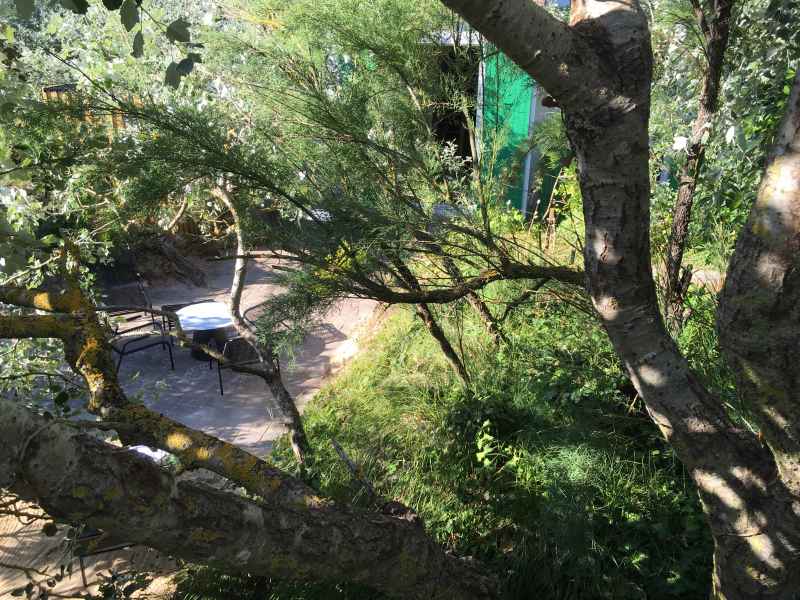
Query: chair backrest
point(177, 307)
point(239, 351)
point(143, 292)
point(125, 295)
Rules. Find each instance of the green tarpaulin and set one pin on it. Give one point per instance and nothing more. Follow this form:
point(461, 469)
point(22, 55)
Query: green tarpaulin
point(508, 98)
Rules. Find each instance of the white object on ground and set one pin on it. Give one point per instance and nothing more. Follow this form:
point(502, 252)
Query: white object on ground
point(204, 316)
point(153, 453)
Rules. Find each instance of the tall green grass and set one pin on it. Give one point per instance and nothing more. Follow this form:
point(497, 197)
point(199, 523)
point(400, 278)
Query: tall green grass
point(548, 469)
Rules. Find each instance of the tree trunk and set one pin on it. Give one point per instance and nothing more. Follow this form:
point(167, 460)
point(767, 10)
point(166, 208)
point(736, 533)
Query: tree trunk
point(753, 514)
point(290, 532)
point(716, 31)
point(179, 214)
point(759, 315)
point(759, 329)
point(78, 479)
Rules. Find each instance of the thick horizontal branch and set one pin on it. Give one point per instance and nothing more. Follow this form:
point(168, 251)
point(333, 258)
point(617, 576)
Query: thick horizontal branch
point(90, 355)
point(137, 425)
point(79, 479)
point(66, 301)
point(37, 326)
point(472, 284)
point(558, 57)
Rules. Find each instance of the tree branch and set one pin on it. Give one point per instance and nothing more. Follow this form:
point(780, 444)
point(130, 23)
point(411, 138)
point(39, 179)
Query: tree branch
point(272, 376)
point(66, 301)
point(558, 57)
point(79, 479)
point(472, 284)
point(37, 326)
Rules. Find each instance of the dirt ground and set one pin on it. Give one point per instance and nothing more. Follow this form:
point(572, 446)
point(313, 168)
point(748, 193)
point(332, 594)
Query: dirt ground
point(245, 415)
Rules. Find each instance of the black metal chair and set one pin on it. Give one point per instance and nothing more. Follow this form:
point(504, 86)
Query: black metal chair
point(134, 294)
point(238, 352)
point(92, 542)
point(130, 343)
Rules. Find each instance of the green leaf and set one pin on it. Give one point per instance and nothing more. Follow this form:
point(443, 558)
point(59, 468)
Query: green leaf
point(24, 9)
point(8, 33)
point(50, 240)
point(172, 77)
point(112, 4)
point(178, 31)
point(185, 66)
point(77, 6)
point(138, 45)
point(129, 14)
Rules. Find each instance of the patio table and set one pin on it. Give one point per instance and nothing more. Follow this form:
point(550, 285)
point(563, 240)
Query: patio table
point(206, 320)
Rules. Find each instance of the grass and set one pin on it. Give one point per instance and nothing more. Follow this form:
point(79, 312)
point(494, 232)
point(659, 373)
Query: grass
point(548, 470)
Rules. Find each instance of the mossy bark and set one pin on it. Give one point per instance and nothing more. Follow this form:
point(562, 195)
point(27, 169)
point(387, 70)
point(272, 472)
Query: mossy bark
point(78, 479)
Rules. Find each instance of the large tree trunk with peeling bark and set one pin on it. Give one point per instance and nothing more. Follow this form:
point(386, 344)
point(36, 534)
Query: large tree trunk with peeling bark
point(599, 70)
point(714, 23)
point(80, 480)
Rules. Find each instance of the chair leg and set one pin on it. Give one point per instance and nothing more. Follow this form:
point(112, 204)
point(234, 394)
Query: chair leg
point(171, 360)
point(219, 374)
point(83, 572)
point(119, 364)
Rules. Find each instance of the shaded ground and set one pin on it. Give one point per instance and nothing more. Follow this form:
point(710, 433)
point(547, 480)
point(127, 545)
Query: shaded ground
point(245, 415)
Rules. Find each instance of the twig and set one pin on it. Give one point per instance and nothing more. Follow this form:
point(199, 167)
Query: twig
point(355, 471)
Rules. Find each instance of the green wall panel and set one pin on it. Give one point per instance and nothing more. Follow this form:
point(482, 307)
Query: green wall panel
point(507, 95)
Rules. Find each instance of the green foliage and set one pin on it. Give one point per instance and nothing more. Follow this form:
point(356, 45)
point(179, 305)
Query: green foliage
point(549, 470)
point(760, 63)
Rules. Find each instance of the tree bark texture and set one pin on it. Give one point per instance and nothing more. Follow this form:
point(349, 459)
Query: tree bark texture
point(81, 480)
point(759, 316)
point(753, 514)
point(714, 24)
